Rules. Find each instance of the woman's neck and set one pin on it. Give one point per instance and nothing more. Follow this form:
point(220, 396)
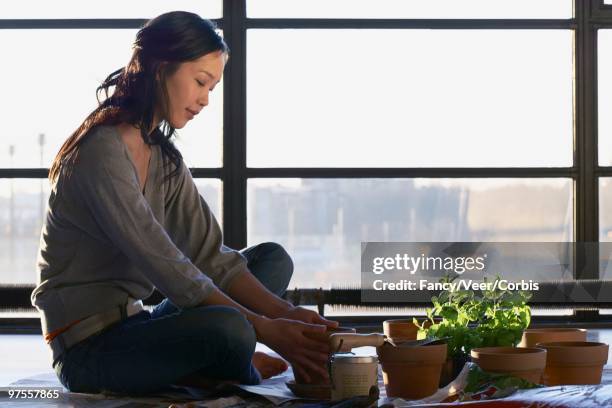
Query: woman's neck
point(132, 138)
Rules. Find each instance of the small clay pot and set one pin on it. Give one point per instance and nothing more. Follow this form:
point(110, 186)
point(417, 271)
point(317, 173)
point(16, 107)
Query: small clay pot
point(531, 337)
point(399, 330)
point(316, 378)
point(574, 362)
point(523, 362)
point(411, 372)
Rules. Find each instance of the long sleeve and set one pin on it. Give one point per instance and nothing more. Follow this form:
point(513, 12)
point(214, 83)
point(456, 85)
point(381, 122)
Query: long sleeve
point(107, 182)
point(197, 232)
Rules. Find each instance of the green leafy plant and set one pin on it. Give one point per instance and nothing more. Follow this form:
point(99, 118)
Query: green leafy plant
point(482, 385)
point(469, 320)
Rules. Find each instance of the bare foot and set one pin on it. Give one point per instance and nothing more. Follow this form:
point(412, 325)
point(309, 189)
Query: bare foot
point(268, 366)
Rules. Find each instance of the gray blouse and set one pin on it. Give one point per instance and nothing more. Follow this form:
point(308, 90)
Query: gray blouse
point(104, 240)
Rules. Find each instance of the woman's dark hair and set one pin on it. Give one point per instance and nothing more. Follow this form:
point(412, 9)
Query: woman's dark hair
point(139, 88)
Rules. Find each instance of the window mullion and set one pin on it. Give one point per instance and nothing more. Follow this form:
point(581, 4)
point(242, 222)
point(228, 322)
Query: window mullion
point(234, 126)
point(586, 207)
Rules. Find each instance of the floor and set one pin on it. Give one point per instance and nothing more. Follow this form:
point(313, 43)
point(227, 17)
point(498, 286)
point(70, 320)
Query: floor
point(27, 355)
point(24, 356)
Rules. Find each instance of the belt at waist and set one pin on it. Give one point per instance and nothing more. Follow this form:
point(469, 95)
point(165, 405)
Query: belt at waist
point(92, 325)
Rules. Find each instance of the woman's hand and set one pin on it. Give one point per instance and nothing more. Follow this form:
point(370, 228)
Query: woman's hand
point(307, 316)
point(288, 338)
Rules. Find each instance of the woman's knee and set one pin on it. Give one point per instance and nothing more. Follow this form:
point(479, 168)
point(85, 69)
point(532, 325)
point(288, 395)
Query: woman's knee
point(282, 260)
point(229, 324)
point(238, 329)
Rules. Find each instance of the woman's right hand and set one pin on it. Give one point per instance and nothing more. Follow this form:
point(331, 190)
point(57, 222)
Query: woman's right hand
point(287, 338)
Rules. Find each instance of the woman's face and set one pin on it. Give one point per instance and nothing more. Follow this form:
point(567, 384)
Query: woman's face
point(188, 87)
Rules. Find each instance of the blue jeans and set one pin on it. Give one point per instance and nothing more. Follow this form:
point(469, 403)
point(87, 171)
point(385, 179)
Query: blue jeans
point(150, 351)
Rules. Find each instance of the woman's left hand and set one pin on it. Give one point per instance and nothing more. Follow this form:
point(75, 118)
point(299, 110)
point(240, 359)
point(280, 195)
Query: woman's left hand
point(307, 316)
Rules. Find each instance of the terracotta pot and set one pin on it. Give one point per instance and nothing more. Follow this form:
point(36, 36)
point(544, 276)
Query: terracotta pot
point(531, 337)
point(574, 362)
point(527, 363)
point(316, 378)
point(400, 330)
point(411, 372)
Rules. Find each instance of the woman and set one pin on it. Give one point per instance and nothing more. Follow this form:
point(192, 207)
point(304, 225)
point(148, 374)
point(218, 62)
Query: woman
point(125, 217)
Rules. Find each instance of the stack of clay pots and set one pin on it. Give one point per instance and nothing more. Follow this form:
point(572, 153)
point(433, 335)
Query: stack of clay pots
point(531, 337)
point(552, 356)
point(570, 358)
point(410, 372)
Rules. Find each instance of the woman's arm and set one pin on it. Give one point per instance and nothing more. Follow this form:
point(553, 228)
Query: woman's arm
point(197, 233)
point(251, 293)
point(278, 324)
point(248, 291)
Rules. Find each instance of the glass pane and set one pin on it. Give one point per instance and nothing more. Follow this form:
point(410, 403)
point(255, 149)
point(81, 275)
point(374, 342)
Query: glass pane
point(212, 192)
point(605, 209)
point(410, 8)
point(409, 98)
point(322, 222)
point(109, 8)
point(605, 228)
point(22, 207)
point(44, 97)
point(604, 82)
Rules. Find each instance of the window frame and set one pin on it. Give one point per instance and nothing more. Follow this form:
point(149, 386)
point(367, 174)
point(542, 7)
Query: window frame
point(589, 16)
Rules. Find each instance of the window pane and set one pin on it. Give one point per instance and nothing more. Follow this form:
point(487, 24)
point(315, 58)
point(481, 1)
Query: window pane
point(605, 209)
point(409, 98)
point(322, 222)
point(108, 9)
point(212, 192)
point(410, 9)
point(604, 81)
point(55, 99)
point(605, 228)
point(22, 206)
